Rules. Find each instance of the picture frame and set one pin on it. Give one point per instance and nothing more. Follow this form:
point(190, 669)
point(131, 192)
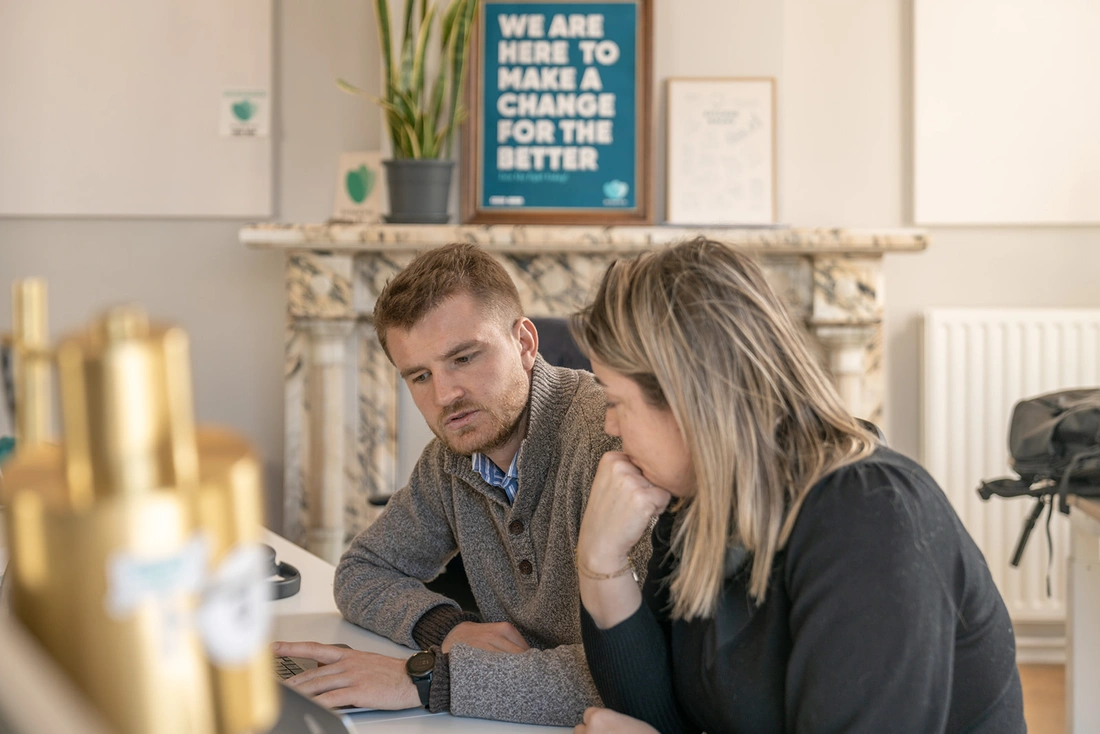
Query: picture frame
point(360, 191)
point(559, 99)
point(721, 151)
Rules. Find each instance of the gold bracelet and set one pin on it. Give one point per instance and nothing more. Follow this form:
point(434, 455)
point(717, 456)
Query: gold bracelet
point(628, 568)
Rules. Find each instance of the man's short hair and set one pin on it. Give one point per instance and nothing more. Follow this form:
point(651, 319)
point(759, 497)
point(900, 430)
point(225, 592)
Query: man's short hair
point(436, 275)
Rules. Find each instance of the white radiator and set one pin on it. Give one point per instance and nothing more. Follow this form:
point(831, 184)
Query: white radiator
point(976, 364)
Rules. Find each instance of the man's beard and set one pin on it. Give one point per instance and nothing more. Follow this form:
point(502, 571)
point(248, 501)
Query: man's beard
point(501, 427)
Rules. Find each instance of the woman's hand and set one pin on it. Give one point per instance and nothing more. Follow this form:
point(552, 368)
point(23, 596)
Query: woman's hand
point(620, 507)
point(606, 721)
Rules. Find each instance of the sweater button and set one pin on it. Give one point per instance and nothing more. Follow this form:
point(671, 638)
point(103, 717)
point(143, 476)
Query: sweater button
point(515, 527)
point(526, 568)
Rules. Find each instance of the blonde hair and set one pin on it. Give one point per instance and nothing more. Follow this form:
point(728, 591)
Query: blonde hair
point(701, 332)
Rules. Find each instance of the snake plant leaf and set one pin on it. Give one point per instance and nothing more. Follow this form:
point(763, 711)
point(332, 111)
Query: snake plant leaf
point(392, 111)
point(385, 43)
point(435, 101)
point(405, 106)
point(407, 103)
point(404, 80)
point(459, 55)
point(428, 148)
point(396, 123)
point(414, 143)
point(408, 24)
point(352, 89)
point(423, 115)
point(382, 13)
point(441, 136)
point(421, 54)
point(448, 26)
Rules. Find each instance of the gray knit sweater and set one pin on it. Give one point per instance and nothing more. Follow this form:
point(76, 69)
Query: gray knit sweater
point(519, 559)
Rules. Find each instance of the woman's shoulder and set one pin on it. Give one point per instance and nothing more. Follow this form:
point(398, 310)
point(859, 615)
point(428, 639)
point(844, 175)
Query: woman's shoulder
point(886, 495)
point(877, 477)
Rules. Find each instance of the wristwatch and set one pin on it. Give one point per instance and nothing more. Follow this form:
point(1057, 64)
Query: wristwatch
point(419, 667)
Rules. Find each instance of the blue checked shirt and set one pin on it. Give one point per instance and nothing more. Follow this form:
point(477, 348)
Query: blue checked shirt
point(492, 474)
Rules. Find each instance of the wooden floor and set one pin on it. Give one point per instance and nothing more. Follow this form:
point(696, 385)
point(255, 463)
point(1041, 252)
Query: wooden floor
point(1044, 698)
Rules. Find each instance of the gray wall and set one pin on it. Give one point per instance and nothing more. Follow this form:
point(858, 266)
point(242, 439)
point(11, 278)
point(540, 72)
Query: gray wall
point(844, 80)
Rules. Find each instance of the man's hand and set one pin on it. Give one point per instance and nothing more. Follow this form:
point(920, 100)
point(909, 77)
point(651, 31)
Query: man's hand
point(606, 721)
point(351, 677)
point(494, 637)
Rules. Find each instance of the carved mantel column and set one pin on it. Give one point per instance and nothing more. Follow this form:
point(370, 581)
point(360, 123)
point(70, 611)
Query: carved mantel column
point(847, 321)
point(341, 392)
point(321, 323)
point(846, 347)
point(327, 445)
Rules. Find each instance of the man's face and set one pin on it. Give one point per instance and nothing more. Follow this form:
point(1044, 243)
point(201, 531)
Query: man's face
point(469, 375)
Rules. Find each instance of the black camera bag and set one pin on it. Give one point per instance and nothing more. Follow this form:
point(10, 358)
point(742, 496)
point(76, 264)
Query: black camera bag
point(1054, 442)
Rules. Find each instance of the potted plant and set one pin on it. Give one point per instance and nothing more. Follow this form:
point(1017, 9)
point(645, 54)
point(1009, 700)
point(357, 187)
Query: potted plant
point(422, 118)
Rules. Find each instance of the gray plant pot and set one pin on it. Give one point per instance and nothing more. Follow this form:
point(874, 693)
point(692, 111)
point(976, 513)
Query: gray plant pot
point(419, 190)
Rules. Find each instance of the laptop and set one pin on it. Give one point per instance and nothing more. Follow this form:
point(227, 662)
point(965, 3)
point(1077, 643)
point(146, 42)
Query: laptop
point(301, 715)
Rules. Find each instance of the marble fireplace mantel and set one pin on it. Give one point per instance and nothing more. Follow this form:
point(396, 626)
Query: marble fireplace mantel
point(341, 391)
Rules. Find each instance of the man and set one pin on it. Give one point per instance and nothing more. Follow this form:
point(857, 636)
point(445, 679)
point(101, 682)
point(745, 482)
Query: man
point(505, 484)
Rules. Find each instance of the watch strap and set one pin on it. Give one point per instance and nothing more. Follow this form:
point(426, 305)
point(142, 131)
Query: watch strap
point(422, 681)
point(424, 689)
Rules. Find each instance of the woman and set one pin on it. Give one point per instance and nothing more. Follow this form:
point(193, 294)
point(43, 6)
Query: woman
point(803, 577)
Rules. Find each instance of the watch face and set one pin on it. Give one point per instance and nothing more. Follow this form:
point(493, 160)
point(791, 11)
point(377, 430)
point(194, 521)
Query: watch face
point(420, 664)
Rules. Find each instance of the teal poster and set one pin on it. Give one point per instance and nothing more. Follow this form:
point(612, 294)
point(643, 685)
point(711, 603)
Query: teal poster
point(558, 106)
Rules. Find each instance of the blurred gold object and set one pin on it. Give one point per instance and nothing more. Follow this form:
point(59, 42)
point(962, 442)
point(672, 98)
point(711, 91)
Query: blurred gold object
point(30, 361)
point(134, 545)
point(235, 615)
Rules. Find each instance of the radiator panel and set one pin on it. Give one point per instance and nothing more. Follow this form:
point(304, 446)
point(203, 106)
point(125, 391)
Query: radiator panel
point(976, 364)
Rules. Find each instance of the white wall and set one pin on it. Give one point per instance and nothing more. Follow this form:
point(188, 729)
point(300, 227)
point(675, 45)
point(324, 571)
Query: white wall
point(843, 71)
point(846, 133)
point(194, 272)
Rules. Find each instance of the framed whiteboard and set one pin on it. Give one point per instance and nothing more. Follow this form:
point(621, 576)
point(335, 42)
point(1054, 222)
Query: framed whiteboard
point(721, 151)
point(118, 108)
point(1006, 112)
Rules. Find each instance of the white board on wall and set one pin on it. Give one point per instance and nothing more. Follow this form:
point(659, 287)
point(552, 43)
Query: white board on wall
point(1006, 111)
point(112, 108)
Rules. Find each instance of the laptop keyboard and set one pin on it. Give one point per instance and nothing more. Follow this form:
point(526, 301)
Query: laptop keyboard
point(286, 667)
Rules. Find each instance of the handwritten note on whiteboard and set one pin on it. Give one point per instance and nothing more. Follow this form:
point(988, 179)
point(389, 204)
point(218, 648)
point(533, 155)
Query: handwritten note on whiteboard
point(721, 151)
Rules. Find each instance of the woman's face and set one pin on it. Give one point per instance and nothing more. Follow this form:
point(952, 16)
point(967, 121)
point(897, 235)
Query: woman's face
point(651, 438)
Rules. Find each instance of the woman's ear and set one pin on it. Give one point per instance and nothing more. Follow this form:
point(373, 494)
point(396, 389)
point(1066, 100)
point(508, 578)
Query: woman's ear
point(528, 337)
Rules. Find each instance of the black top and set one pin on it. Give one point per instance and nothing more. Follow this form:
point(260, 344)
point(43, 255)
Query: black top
point(880, 616)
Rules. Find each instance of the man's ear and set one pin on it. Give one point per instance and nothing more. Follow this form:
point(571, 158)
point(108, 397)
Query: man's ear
point(528, 337)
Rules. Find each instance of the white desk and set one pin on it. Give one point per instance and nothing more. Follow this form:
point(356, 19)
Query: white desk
point(1083, 620)
point(311, 615)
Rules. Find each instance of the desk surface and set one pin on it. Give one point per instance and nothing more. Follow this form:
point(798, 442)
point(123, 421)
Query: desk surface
point(1087, 506)
point(311, 614)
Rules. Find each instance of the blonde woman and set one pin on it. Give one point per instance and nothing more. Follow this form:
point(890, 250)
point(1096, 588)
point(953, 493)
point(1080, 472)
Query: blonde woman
point(804, 578)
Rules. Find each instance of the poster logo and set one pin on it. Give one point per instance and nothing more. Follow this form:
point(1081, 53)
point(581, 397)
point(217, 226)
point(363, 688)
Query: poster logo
point(615, 191)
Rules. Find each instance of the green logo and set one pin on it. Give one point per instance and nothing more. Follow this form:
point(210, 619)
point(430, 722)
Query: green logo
point(243, 110)
point(359, 183)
